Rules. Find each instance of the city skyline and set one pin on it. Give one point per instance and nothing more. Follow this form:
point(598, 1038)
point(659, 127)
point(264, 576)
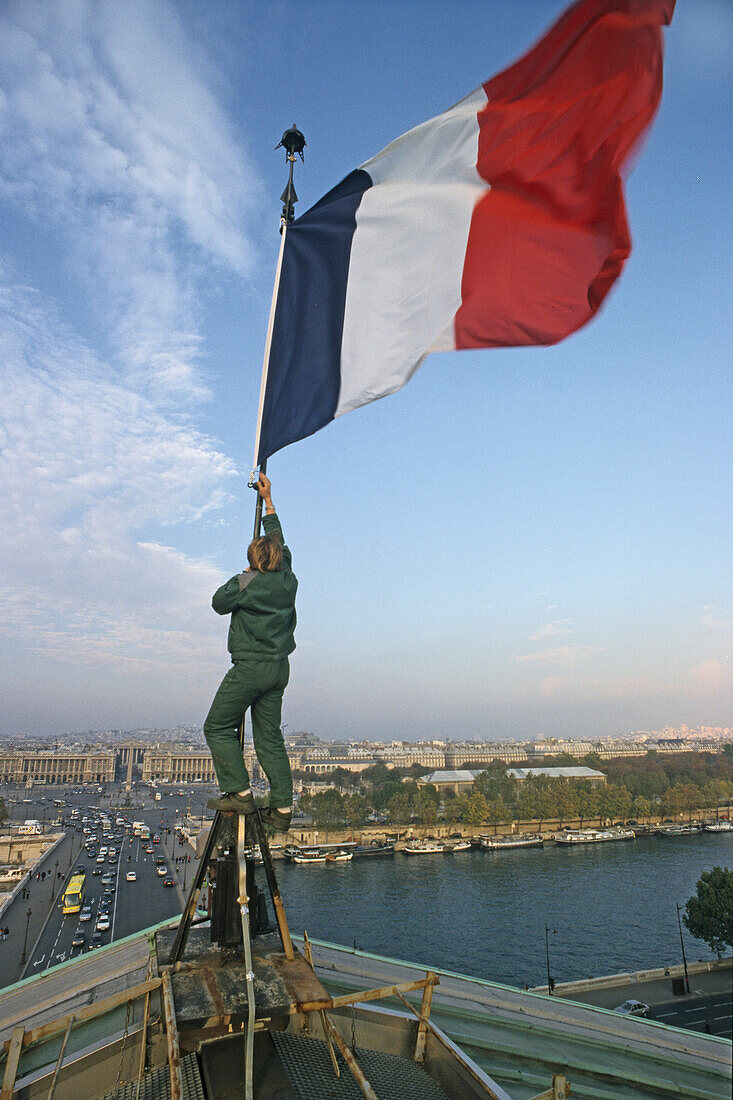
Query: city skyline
point(525, 539)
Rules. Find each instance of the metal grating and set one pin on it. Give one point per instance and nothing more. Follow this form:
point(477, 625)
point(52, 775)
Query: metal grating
point(156, 1084)
point(308, 1066)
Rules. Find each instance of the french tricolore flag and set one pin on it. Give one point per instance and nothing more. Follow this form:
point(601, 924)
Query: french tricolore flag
point(499, 223)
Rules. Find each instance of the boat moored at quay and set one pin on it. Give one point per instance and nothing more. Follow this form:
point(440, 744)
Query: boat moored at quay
point(593, 836)
point(678, 830)
point(503, 843)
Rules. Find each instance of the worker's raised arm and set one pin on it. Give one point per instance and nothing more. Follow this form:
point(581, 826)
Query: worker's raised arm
point(271, 522)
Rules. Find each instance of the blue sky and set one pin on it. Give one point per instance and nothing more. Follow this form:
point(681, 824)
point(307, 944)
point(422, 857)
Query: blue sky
point(521, 543)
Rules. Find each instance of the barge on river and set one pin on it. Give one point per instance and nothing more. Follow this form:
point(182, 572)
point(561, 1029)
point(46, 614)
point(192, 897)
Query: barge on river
point(593, 836)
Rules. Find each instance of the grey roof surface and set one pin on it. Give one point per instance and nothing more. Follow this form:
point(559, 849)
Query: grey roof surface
point(557, 773)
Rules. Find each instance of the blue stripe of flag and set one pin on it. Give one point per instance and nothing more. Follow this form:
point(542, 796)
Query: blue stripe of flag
point(304, 374)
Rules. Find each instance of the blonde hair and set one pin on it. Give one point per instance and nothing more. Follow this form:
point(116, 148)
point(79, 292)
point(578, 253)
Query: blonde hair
point(265, 554)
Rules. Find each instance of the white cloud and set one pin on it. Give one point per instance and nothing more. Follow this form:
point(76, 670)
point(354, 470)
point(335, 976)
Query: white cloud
point(712, 619)
point(87, 464)
point(110, 134)
point(552, 630)
point(558, 655)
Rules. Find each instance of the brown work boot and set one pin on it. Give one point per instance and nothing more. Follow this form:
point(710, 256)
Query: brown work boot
point(233, 803)
point(276, 819)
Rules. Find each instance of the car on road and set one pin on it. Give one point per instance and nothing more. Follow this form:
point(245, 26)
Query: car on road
point(100, 858)
point(633, 1008)
point(102, 923)
point(79, 939)
point(162, 870)
point(86, 913)
point(168, 882)
point(80, 870)
point(108, 878)
point(131, 876)
point(96, 870)
point(96, 941)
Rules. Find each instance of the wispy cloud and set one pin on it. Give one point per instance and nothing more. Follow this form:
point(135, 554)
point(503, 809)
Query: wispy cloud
point(87, 464)
point(712, 618)
point(565, 655)
point(110, 134)
point(552, 630)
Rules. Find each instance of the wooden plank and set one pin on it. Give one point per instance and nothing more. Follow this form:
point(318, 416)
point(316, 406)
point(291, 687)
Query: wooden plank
point(349, 1058)
point(90, 1011)
point(171, 1035)
point(380, 994)
point(60, 1060)
point(422, 1030)
point(15, 1047)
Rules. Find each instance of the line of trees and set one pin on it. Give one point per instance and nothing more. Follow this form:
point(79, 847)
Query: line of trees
point(637, 788)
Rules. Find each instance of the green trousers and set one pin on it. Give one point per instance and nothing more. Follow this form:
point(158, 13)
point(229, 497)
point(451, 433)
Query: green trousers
point(259, 686)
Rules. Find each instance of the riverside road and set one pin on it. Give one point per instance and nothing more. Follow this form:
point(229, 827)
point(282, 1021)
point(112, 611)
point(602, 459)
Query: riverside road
point(608, 908)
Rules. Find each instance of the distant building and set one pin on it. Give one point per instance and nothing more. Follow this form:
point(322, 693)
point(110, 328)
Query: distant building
point(171, 766)
point(589, 775)
point(44, 766)
point(454, 780)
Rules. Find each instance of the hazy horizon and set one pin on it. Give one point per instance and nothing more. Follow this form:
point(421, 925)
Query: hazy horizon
point(522, 543)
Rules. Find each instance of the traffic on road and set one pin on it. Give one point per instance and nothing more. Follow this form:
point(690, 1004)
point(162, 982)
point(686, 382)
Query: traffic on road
point(129, 872)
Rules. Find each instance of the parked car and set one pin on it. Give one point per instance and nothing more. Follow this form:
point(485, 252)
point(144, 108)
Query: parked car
point(633, 1008)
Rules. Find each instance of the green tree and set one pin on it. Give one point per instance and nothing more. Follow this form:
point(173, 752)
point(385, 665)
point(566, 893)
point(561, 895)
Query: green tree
point(709, 914)
point(399, 807)
point(327, 808)
point(643, 807)
point(493, 782)
point(305, 803)
point(476, 809)
point(356, 809)
point(425, 808)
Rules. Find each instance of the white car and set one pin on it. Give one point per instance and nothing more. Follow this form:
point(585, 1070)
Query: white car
point(86, 914)
point(131, 876)
point(102, 923)
point(162, 871)
point(633, 1008)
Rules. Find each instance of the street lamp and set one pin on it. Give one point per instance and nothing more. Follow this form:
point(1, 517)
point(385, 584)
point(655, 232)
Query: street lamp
point(684, 957)
point(55, 877)
point(550, 981)
point(28, 916)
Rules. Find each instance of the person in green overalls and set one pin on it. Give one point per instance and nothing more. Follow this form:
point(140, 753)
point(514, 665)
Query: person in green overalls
point(261, 602)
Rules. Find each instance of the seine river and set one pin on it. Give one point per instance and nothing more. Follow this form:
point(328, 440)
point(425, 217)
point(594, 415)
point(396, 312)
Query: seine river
point(482, 913)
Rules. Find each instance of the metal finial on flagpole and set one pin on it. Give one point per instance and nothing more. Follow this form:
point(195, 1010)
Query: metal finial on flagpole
point(293, 143)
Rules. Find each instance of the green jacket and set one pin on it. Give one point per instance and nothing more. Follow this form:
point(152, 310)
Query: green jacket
point(262, 606)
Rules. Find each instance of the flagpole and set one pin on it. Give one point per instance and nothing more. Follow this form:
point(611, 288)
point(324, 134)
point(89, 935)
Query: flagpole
point(294, 143)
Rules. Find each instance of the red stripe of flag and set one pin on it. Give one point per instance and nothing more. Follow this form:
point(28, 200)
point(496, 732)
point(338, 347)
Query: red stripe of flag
point(551, 236)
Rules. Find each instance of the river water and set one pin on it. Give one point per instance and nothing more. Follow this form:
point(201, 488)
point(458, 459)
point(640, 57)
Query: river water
point(484, 913)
